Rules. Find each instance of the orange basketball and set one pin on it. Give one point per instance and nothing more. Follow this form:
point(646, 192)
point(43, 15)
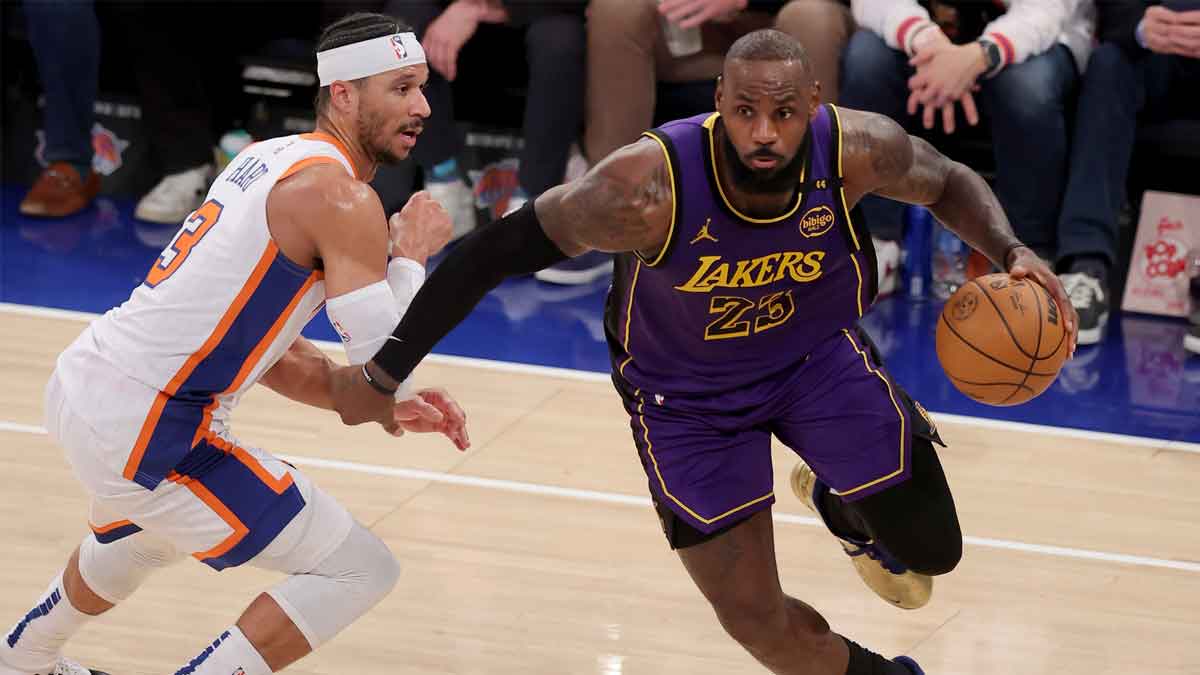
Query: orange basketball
point(1001, 341)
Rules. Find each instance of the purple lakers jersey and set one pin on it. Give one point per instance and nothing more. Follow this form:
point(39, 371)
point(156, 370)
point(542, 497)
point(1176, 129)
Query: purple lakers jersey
point(731, 299)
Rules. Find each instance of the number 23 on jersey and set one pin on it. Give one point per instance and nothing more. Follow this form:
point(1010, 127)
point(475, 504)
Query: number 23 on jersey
point(194, 228)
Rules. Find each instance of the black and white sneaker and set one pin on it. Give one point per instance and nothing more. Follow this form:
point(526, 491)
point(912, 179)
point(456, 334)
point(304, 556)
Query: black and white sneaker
point(1090, 300)
point(1191, 341)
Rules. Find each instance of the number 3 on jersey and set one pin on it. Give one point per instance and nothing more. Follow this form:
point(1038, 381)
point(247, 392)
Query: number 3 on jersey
point(194, 228)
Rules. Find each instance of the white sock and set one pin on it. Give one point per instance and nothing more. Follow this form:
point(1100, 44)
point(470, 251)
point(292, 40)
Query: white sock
point(33, 643)
point(230, 654)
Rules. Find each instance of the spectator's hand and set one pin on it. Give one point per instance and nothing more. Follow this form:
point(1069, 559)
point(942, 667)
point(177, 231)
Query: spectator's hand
point(431, 410)
point(692, 13)
point(493, 12)
point(449, 32)
point(420, 229)
point(1156, 29)
point(944, 75)
point(1027, 264)
point(1185, 34)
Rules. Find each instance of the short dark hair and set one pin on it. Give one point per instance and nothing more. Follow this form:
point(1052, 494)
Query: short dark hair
point(768, 45)
point(352, 28)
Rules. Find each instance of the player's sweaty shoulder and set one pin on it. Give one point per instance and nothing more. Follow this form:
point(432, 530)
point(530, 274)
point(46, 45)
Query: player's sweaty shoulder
point(320, 206)
point(624, 203)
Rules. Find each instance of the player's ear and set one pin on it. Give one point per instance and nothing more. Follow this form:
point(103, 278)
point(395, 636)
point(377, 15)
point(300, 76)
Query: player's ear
point(717, 95)
point(814, 99)
point(342, 95)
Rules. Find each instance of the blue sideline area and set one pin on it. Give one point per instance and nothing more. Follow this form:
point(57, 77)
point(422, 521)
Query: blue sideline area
point(1139, 381)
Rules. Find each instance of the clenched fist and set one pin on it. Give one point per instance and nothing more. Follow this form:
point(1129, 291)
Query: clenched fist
point(420, 229)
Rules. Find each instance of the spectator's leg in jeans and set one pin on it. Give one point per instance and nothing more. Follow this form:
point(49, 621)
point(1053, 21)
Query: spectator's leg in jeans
point(554, 47)
point(439, 141)
point(1027, 107)
point(1110, 97)
point(439, 145)
point(875, 79)
point(823, 27)
point(66, 44)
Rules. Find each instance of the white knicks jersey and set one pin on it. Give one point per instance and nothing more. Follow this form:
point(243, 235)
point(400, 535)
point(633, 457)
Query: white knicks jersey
point(217, 309)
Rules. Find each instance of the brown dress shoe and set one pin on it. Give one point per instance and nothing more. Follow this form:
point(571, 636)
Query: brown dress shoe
point(59, 192)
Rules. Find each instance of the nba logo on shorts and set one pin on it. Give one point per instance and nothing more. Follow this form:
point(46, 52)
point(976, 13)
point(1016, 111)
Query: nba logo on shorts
point(239, 671)
point(398, 47)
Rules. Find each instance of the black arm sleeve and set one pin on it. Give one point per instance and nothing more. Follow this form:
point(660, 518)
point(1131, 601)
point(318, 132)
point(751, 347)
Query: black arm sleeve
point(511, 246)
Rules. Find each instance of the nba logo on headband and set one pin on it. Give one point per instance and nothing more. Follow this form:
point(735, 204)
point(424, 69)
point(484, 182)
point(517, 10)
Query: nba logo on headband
point(369, 57)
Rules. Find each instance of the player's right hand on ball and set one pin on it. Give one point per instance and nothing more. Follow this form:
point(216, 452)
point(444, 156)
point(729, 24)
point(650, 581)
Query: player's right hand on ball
point(420, 229)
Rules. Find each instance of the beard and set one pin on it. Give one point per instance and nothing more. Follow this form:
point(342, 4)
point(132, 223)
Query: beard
point(376, 139)
point(782, 178)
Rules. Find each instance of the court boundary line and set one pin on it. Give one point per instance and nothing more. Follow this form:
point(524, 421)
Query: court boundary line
point(589, 376)
point(602, 496)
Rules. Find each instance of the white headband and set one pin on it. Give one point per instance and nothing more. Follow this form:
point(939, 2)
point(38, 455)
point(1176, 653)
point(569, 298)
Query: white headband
point(369, 57)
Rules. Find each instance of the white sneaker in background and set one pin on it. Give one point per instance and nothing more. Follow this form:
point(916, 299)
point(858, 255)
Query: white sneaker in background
point(887, 261)
point(175, 196)
point(459, 201)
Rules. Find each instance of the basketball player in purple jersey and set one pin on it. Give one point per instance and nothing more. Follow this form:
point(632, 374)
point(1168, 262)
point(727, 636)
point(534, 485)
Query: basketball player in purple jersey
point(732, 318)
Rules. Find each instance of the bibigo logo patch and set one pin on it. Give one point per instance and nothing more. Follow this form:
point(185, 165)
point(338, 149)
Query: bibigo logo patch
point(816, 221)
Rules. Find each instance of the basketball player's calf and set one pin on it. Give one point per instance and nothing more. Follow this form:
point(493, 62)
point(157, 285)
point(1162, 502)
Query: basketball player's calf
point(282, 625)
point(735, 569)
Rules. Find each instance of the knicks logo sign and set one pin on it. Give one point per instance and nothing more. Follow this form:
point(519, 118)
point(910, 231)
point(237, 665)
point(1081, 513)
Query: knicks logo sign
point(712, 272)
point(816, 221)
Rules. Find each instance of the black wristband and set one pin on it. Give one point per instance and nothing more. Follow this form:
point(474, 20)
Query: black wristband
point(376, 385)
point(514, 245)
point(1007, 250)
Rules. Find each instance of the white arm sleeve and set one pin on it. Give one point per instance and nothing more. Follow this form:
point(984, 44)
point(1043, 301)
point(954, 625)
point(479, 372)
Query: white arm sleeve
point(895, 21)
point(1030, 27)
point(364, 319)
point(404, 277)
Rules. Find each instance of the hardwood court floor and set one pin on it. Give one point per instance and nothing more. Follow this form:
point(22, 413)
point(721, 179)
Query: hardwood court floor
point(503, 576)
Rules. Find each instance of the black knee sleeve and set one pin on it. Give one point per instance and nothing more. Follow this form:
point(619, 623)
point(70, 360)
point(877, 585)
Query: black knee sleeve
point(916, 520)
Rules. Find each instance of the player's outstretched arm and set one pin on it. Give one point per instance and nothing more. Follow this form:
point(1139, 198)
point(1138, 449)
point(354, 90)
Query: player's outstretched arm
point(302, 374)
point(623, 204)
point(879, 156)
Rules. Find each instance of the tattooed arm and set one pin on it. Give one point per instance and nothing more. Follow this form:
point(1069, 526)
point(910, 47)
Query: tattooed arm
point(879, 157)
point(623, 204)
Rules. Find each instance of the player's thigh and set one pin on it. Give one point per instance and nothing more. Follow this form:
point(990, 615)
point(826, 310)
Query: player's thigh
point(708, 477)
point(850, 422)
point(228, 505)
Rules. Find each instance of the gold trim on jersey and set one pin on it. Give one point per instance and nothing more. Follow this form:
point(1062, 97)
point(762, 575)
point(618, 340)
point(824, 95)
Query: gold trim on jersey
point(629, 319)
point(710, 126)
point(662, 252)
point(903, 429)
point(837, 122)
point(663, 483)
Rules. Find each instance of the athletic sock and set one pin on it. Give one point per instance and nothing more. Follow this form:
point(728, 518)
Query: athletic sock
point(230, 654)
point(33, 643)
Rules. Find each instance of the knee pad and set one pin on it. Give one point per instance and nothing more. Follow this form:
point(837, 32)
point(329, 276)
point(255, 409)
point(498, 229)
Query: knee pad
point(115, 570)
point(341, 588)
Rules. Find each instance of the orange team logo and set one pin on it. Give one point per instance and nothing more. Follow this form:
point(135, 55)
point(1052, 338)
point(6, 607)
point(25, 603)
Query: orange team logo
point(704, 234)
point(816, 221)
point(398, 47)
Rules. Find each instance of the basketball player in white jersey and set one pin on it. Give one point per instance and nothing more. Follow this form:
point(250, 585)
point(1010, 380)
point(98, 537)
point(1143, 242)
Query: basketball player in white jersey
point(141, 400)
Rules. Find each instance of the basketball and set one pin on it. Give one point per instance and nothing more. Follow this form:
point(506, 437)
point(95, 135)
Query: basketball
point(1001, 341)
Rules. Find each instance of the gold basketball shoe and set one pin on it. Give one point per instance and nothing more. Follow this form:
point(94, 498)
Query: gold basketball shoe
point(882, 573)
